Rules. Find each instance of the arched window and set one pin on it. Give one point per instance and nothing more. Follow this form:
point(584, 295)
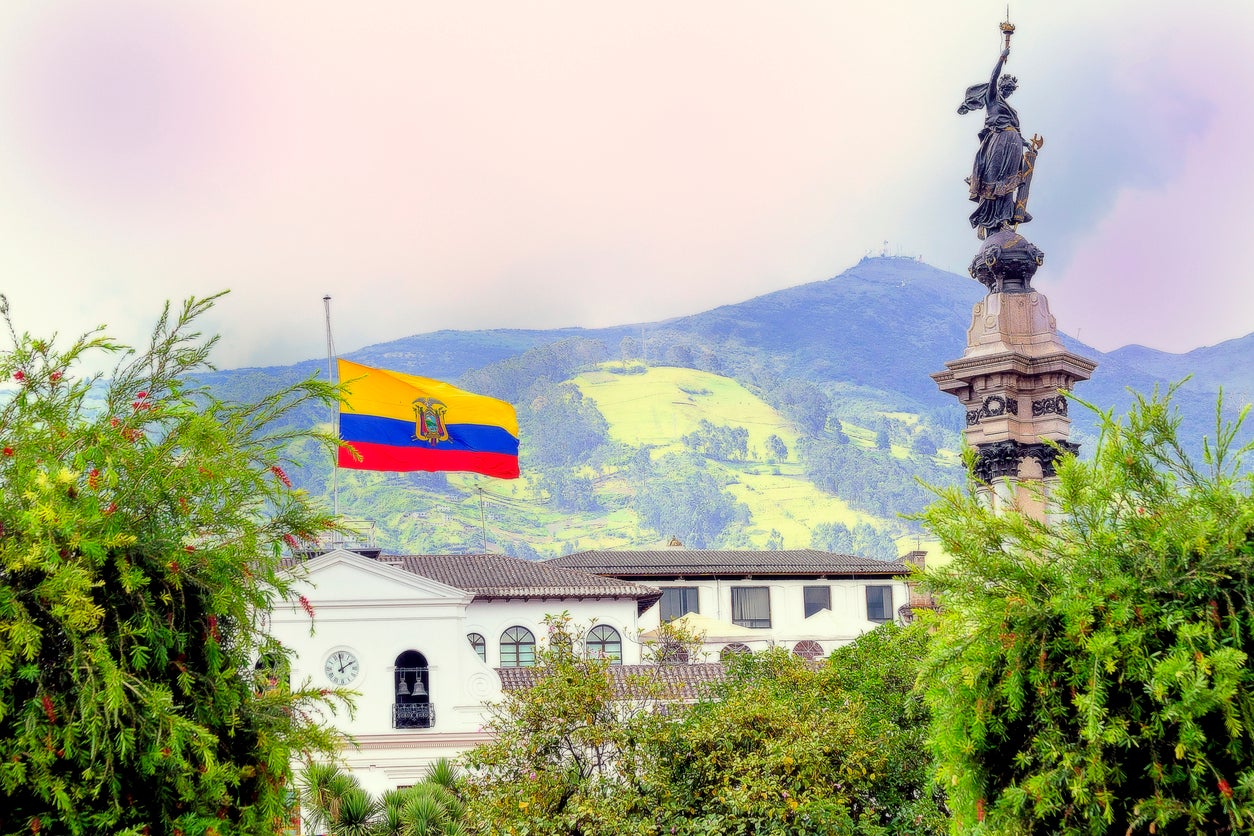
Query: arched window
point(412, 708)
point(809, 650)
point(733, 649)
point(480, 644)
point(518, 648)
point(603, 641)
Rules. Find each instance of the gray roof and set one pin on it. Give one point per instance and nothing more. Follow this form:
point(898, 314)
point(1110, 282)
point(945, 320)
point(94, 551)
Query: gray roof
point(676, 682)
point(695, 563)
point(500, 576)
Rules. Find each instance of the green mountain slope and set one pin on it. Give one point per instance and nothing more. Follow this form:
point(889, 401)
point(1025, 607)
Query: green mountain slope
point(836, 370)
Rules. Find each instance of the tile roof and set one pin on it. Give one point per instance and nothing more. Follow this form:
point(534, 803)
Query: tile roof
point(500, 576)
point(691, 563)
point(678, 682)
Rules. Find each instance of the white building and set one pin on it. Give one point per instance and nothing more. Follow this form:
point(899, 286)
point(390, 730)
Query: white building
point(806, 600)
point(428, 641)
point(421, 638)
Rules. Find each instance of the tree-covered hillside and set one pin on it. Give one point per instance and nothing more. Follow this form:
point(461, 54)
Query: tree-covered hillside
point(799, 417)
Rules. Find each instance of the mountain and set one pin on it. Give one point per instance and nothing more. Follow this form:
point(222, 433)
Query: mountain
point(836, 371)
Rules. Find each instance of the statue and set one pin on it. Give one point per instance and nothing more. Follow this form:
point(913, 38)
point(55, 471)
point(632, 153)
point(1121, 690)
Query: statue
point(999, 183)
point(1002, 172)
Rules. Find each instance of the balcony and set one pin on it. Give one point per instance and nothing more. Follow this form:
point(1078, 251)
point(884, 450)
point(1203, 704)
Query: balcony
point(413, 715)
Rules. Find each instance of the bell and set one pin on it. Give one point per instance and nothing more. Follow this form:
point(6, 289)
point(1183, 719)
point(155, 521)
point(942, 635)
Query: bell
point(419, 689)
point(402, 689)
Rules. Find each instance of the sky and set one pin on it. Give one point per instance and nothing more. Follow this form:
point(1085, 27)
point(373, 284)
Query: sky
point(505, 164)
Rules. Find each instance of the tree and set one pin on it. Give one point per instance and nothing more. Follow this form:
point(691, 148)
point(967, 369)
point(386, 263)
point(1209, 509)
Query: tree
point(784, 747)
point(869, 541)
point(565, 752)
point(832, 537)
point(1092, 674)
point(141, 523)
point(677, 496)
point(776, 448)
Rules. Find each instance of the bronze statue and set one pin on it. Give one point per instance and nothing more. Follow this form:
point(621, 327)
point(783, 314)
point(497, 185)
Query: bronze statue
point(1003, 167)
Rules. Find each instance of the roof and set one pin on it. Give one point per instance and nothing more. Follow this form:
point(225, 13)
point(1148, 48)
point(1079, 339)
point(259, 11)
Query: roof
point(679, 682)
point(692, 563)
point(489, 576)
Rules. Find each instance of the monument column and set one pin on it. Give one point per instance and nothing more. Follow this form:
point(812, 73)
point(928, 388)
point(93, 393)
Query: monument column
point(1014, 373)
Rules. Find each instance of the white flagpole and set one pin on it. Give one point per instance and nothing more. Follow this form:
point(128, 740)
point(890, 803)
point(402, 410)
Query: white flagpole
point(335, 410)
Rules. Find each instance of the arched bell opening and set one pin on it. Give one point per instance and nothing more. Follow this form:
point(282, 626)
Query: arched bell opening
point(412, 708)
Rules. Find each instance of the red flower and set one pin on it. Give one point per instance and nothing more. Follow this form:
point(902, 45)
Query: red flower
point(93, 479)
point(48, 709)
point(306, 606)
point(19, 375)
point(979, 810)
point(174, 567)
point(281, 476)
point(291, 541)
point(113, 506)
point(189, 549)
point(213, 627)
point(1224, 788)
point(54, 377)
point(36, 825)
point(141, 394)
point(8, 451)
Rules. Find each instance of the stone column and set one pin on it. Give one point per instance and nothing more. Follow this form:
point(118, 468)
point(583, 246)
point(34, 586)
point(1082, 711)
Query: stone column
point(1013, 378)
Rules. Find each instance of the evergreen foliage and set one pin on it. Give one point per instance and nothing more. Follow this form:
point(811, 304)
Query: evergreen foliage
point(1092, 675)
point(140, 529)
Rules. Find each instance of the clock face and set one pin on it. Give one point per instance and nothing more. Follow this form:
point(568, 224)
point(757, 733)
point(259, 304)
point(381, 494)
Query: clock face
point(342, 667)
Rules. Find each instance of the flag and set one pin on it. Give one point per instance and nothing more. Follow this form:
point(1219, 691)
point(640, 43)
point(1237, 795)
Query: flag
point(400, 422)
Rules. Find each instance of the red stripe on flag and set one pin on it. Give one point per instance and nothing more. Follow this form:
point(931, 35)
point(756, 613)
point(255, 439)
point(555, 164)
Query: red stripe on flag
point(405, 459)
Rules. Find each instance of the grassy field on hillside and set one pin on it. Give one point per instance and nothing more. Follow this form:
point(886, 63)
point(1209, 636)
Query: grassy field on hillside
point(664, 404)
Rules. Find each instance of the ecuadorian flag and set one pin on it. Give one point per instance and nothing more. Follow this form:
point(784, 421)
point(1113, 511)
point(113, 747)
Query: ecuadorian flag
point(400, 422)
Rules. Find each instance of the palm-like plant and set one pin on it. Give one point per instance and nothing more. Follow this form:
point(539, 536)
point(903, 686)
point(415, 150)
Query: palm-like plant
point(334, 802)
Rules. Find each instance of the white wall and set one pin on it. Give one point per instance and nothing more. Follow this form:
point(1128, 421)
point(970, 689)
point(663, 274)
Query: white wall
point(789, 625)
point(378, 611)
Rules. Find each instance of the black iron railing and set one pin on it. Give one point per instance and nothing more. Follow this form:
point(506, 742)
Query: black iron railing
point(413, 716)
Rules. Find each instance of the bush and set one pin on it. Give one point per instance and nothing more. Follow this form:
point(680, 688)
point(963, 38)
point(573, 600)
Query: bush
point(1092, 675)
point(139, 553)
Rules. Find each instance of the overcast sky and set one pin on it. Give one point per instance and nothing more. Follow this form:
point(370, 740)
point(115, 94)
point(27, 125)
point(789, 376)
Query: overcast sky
point(593, 162)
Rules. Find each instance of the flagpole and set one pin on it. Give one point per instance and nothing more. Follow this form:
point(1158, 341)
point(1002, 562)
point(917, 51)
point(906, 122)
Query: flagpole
point(335, 409)
point(483, 521)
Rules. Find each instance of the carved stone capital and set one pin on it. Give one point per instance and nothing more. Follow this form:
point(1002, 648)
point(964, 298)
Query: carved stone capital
point(1000, 459)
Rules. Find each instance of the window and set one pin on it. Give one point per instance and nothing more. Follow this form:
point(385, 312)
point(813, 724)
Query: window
point(480, 644)
point(518, 648)
point(604, 642)
point(412, 708)
point(751, 606)
point(677, 601)
point(733, 649)
point(817, 598)
point(809, 650)
point(879, 603)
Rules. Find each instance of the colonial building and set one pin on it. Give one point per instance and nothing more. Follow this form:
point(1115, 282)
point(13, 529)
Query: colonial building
point(423, 639)
point(429, 641)
point(808, 601)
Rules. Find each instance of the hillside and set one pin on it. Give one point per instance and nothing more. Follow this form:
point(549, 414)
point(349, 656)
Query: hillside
point(616, 419)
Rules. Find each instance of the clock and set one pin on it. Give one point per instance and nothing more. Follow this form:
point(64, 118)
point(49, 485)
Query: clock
point(342, 667)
